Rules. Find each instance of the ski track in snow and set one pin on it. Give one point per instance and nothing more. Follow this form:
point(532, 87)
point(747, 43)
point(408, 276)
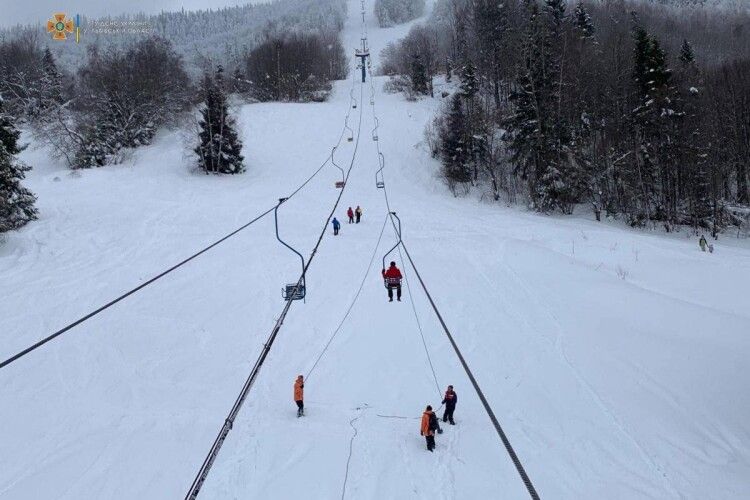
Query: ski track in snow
point(607, 388)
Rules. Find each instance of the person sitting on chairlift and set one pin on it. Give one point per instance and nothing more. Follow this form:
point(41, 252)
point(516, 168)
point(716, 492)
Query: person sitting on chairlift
point(392, 279)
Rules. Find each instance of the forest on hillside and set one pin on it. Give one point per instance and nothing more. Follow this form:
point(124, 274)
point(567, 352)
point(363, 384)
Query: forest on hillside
point(641, 111)
point(125, 88)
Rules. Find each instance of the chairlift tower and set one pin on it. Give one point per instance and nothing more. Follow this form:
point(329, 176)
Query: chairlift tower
point(364, 55)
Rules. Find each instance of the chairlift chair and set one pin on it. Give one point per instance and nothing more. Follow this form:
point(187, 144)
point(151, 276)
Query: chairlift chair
point(379, 181)
point(293, 292)
point(290, 291)
point(339, 184)
point(350, 138)
point(390, 282)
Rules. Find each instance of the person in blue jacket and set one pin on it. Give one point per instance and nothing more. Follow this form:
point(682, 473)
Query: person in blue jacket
point(336, 226)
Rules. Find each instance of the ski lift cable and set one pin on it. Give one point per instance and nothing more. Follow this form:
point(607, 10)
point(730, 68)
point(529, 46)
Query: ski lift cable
point(157, 277)
point(208, 462)
point(503, 437)
point(419, 325)
point(354, 301)
point(381, 184)
point(488, 409)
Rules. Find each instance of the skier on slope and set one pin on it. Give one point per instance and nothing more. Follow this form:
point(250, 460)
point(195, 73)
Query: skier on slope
point(336, 226)
point(358, 213)
point(392, 279)
point(703, 243)
point(450, 400)
point(299, 387)
point(350, 214)
point(429, 426)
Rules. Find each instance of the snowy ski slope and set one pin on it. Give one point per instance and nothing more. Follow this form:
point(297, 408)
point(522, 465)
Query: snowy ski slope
point(614, 359)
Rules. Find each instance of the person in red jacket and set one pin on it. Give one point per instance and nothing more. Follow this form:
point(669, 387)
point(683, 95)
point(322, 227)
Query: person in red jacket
point(350, 214)
point(392, 279)
point(450, 400)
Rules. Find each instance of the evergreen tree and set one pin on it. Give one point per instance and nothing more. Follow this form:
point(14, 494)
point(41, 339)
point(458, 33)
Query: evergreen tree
point(454, 149)
point(448, 70)
point(653, 176)
point(538, 131)
point(16, 202)
point(687, 56)
point(239, 81)
point(419, 80)
point(219, 150)
point(52, 86)
point(583, 22)
point(469, 82)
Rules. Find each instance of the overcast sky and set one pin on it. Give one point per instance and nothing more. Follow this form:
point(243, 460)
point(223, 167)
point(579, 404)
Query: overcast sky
point(33, 11)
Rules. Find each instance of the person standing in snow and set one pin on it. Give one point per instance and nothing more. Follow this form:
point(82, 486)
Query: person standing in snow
point(350, 214)
point(336, 226)
point(429, 426)
point(299, 387)
point(450, 400)
point(358, 213)
point(392, 279)
point(703, 243)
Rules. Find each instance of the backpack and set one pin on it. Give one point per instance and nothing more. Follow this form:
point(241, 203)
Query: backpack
point(433, 425)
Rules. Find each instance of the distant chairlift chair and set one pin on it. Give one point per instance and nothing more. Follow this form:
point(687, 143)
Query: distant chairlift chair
point(379, 182)
point(291, 291)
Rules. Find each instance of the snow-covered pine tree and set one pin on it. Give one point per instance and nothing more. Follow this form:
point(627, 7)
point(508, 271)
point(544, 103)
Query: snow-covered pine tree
point(50, 86)
point(219, 149)
point(656, 126)
point(694, 141)
point(687, 56)
point(16, 202)
point(583, 22)
point(454, 150)
point(538, 132)
point(468, 90)
point(469, 81)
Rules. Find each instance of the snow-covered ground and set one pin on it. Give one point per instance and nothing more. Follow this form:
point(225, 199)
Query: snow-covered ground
point(615, 359)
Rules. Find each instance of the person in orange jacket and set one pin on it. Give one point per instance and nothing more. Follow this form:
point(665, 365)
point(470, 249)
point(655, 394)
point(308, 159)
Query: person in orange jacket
point(299, 387)
point(429, 426)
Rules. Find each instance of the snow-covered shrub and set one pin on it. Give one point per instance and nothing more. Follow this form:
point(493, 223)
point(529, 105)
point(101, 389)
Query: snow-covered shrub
point(125, 97)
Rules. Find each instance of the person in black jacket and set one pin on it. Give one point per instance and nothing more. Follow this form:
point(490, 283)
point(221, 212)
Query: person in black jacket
point(450, 400)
